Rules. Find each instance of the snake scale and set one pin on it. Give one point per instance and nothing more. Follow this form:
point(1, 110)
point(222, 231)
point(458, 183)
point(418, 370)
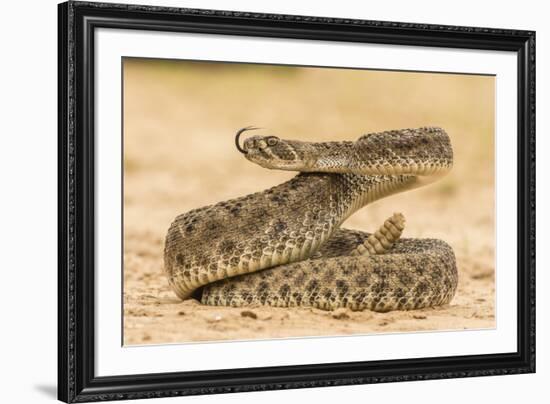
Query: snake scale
point(284, 246)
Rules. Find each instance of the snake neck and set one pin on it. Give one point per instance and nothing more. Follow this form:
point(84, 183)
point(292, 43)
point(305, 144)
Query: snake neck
point(358, 191)
point(340, 195)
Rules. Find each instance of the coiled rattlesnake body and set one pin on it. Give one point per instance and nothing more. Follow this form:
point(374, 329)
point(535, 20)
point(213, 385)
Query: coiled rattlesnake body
point(284, 246)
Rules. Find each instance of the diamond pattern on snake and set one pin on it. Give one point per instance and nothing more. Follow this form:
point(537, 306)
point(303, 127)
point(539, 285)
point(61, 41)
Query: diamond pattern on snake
point(284, 246)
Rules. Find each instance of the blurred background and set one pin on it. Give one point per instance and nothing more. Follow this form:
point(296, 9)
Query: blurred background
point(180, 118)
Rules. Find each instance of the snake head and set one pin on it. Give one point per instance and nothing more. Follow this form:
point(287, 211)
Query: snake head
point(274, 153)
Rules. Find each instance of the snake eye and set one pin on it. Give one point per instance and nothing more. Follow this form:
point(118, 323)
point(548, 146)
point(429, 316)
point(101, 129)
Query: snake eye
point(272, 140)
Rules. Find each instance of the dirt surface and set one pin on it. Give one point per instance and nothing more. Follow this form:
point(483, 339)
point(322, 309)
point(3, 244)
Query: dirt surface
point(179, 122)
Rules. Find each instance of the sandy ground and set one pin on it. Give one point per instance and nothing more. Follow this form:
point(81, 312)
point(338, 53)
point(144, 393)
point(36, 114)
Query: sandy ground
point(179, 121)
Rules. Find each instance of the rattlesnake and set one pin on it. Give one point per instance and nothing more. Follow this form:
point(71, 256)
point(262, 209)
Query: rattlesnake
point(284, 246)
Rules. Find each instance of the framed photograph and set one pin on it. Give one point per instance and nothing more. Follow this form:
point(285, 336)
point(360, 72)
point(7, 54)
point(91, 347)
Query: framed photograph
point(258, 201)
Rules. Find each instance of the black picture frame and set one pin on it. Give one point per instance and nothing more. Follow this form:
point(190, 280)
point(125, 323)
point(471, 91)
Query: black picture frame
point(77, 22)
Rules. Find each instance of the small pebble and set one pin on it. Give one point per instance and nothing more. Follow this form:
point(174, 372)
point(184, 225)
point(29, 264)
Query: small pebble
point(181, 313)
point(215, 318)
point(419, 316)
point(248, 313)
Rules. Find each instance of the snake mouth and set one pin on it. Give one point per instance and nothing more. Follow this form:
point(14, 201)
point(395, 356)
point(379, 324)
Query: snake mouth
point(238, 135)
